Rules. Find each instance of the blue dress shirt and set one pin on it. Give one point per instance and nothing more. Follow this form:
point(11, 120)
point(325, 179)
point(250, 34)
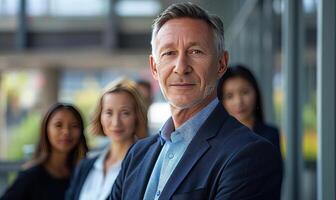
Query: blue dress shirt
point(173, 149)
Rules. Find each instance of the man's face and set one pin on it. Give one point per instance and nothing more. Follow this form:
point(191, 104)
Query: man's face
point(185, 62)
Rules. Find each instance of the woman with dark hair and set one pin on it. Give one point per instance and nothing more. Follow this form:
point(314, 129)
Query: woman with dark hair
point(60, 147)
point(121, 116)
point(239, 92)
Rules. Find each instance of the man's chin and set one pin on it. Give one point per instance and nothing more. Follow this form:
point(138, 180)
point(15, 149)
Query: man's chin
point(183, 105)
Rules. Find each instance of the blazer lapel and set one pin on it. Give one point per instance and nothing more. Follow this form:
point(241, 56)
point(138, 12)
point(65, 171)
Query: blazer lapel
point(198, 146)
point(147, 165)
point(188, 160)
point(83, 175)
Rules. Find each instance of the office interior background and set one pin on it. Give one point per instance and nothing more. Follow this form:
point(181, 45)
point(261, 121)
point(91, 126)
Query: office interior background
point(67, 50)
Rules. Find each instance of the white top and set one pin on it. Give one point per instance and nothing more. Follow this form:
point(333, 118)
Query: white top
point(96, 185)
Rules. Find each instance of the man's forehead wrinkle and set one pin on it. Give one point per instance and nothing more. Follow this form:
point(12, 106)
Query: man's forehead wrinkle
point(171, 44)
point(170, 41)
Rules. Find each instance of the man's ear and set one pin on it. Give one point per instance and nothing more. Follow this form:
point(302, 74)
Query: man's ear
point(153, 68)
point(223, 64)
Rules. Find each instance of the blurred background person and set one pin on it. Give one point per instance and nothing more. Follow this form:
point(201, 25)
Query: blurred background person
point(145, 89)
point(60, 147)
point(120, 115)
point(14, 112)
point(239, 92)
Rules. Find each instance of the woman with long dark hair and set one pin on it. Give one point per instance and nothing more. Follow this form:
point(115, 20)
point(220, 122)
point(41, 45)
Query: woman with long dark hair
point(60, 146)
point(239, 92)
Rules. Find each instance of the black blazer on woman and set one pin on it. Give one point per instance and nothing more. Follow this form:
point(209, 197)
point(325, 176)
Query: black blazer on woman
point(268, 132)
point(79, 177)
point(36, 183)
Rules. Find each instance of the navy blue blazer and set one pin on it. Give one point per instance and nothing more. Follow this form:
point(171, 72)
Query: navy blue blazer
point(225, 160)
point(79, 177)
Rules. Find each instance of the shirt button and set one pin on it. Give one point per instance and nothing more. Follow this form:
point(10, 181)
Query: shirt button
point(171, 156)
point(158, 193)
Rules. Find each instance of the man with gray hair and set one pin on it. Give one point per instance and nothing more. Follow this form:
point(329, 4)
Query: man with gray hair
point(200, 152)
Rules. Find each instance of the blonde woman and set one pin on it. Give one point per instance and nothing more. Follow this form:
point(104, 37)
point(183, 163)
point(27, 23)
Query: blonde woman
point(121, 116)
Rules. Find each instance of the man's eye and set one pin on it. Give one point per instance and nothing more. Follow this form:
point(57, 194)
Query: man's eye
point(168, 53)
point(195, 51)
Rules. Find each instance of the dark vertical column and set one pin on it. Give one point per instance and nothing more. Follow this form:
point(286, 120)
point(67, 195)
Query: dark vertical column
point(292, 54)
point(22, 26)
point(267, 58)
point(326, 100)
point(110, 40)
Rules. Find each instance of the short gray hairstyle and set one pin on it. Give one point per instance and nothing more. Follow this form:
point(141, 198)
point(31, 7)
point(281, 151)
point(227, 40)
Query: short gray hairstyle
point(190, 10)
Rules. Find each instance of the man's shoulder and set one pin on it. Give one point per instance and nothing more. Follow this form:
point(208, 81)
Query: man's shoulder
point(264, 129)
point(145, 143)
point(141, 150)
point(235, 135)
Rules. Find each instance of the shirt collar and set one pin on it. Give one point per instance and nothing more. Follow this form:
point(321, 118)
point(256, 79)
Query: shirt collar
point(189, 128)
point(99, 164)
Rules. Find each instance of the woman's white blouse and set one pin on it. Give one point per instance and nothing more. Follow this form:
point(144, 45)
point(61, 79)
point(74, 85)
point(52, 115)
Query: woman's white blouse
point(96, 185)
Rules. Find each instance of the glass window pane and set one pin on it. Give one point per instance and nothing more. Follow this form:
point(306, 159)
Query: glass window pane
point(37, 7)
point(8, 7)
point(78, 7)
point(138, 8)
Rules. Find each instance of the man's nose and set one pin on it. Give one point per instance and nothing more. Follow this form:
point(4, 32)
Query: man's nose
point(182, 65)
